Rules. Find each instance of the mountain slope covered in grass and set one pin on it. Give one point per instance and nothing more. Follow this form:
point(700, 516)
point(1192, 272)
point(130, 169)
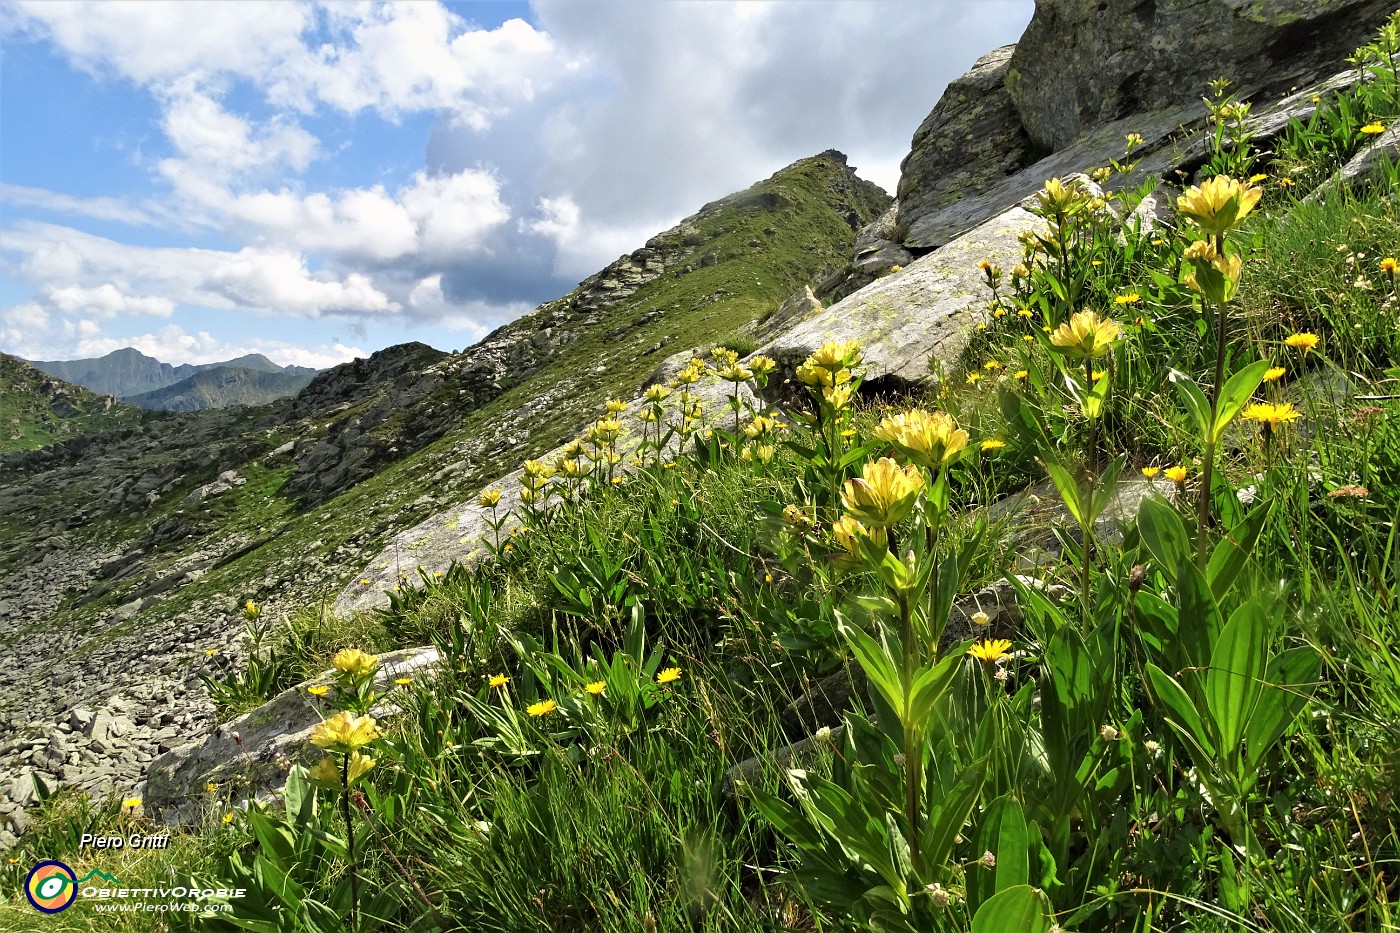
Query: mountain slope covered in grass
point(36, 409)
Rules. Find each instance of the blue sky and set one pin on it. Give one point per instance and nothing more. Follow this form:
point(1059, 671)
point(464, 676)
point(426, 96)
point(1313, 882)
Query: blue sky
point(318, 180)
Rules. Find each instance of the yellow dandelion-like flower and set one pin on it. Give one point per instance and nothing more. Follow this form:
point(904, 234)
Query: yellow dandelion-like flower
point(228, 818)
point(596, 687)
point(1374, 128)
point(319, 690)
point(211, 787)
point(972, 378)
point(669, 675)
point(210, 652)
point(990, 650)
point(1307, 342)
point(991, 366)
point(364, 581)
point(131, 803)
point(1256, 179)
point(1176, 474)
point(1389, 265)
point(498, 680)
point(403, 681)
point(993, 443)
point(1151, 471)
point(542, 708)
point(1131, 298)
point(1026, 313)
point(1285, 182)
point(1274, 373)
point(1021, 374)
point(1270, 414)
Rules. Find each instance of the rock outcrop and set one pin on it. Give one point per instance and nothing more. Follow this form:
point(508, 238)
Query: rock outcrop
point(1084, 63)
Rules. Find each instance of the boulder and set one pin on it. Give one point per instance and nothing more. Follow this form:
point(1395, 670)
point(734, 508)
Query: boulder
point(251, 753)
point(926, 310)
point(1367, 166)
point(1083, 63)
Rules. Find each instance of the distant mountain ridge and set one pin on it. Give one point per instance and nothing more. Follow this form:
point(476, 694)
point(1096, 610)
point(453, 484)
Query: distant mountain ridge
point(128, 371)
point(133, 376)
point(224, 386)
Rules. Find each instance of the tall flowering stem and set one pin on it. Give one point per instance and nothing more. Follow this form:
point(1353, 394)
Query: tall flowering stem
point(1215, 206)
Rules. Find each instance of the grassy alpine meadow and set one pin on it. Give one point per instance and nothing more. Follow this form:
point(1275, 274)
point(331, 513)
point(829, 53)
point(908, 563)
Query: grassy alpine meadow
point(1194, 723)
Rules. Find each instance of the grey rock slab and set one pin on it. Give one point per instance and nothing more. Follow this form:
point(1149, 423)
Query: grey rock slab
point(248, 754)
point(1366, 166)
point(927, 310)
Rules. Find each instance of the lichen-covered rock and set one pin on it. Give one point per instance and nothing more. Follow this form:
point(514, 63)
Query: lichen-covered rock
point(926, 310)
point(1083, 63)
point(247, 758)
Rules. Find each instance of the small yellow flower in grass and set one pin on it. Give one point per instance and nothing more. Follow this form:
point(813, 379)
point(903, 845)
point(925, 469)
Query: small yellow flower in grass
point(1151, 471)
point(991, 366)
point(1099, 374)
point(1086, 335)
point(1021, 374)
point(364, 581)
point(228, 818)
point(210, 652)
point(596, 687)
point(1176, 474)
point(319, 690)
point(999, 312)
point(1389, 265)
point(542, 708)
point(1270, 415)
point(669, 675)
point(344, 732)
point(981, 618)
point(993, 443)
point(1274, 373)
point(1374, 128)
point(615, 406)
point(989, 650)
point(131, 803)
point(251, 609)
point(1307, 342)
point(498, 680)
point(1131, 298)
point(1026, 313)
point(211, 787)
point(1256, 179)
point(489, 498)
point(354, 662)
point(1285, 182)
point(403, 681)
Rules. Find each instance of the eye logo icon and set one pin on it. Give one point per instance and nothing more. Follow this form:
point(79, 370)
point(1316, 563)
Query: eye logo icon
point(51, 887)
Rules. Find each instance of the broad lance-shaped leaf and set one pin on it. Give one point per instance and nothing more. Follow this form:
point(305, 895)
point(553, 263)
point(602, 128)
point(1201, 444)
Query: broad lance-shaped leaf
point(1160, 527)
point(931, 684)
point(1236, 394)
point(948, 814)
point(1292, 677)
point(1232, 552)
point(1068, 487)
point(1101, 493)
point(875, 660)
point(1235, 677)
point(1002, 831)
point(1019, 909)
point(1196, 403)
point(1180, 711)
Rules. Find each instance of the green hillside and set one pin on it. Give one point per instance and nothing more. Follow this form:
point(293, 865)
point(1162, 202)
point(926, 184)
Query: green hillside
point(222, 387)
point(36, 409)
